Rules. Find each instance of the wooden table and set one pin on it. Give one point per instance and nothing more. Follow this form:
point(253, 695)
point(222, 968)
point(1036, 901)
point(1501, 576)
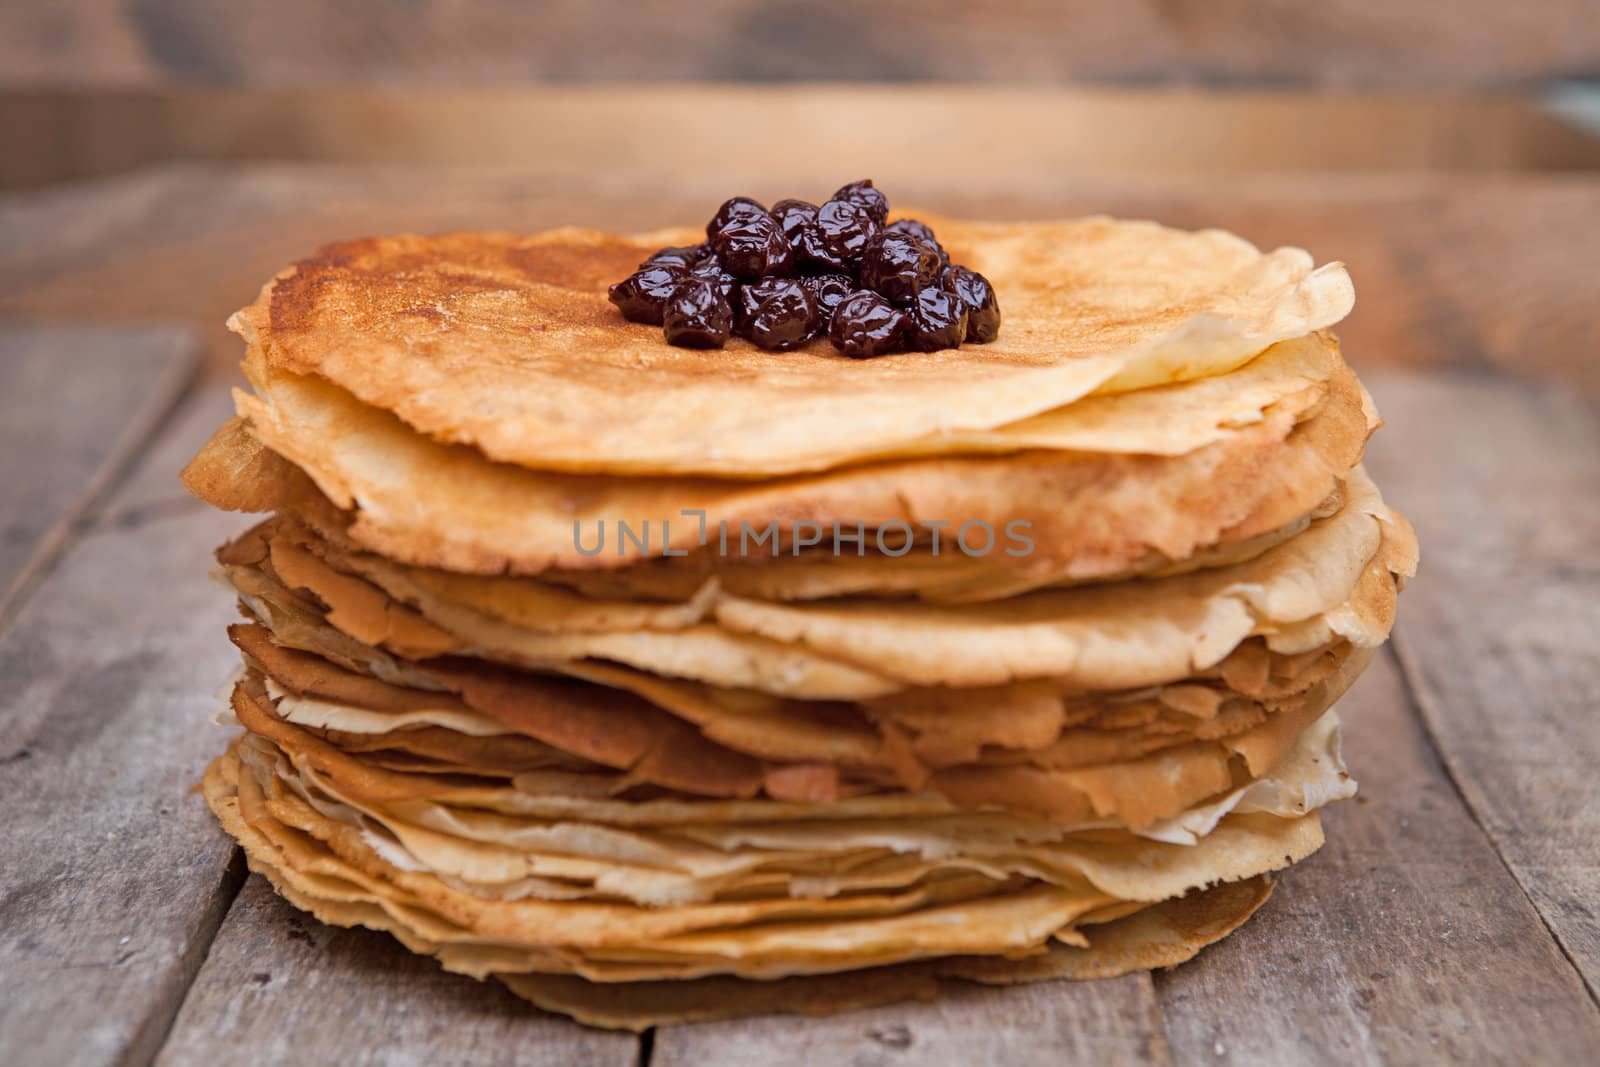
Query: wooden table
point(1453, 916)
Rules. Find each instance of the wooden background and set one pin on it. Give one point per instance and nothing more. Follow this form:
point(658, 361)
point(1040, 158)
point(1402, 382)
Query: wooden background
point(906, 137)
point(161, 158)
point(94, 87)
point(1342, 43)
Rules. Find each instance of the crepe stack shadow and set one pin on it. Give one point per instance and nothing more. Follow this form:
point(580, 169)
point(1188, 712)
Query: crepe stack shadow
point(679, 778)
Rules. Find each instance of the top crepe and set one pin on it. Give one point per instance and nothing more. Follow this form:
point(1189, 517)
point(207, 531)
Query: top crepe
point(508, 343)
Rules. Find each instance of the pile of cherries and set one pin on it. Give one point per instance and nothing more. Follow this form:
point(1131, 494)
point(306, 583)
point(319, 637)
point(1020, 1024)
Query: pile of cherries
point(783, 277)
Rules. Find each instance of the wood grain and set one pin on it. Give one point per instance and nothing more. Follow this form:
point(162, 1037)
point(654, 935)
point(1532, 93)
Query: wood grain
point(280, 987)
point(672, 131)
point(1450, 270)
point(1404, 941)
point(75, 403)
point(1335, 42)
point(1111, 1022)
point(1502, 634)
point(113, 876)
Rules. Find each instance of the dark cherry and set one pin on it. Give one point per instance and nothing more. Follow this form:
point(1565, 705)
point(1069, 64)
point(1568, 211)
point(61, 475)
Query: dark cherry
point(938, 319)
point(898, 266)
point(869, 198)
point(754, 247)
point(915, 227)
point(793, 217)
point(798, 272)
point(919, 229)
point(641, 295)
point(697, 315)
point(679, 256)
point(977, 295)
point(740, 207)
point(843, 230)
point(813, 255)
point(777, 313)
point(866, 325)
point(711, 271)
point(829, 291)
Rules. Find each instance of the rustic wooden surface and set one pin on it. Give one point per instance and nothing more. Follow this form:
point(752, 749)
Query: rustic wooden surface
point(1333, 42)
point(1114, 1022)
point(1450, 918)
point(112, 879)
point(1503, 646)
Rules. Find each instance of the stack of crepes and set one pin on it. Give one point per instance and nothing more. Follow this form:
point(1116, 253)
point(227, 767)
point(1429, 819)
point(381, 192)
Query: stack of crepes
point(665, 779)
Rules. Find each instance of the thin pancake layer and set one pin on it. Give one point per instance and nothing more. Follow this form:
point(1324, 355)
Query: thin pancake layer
point(651, 747)
point(1087, 514)
point(613, 716)
point(1336, 580)
point(508, 343)
point(1122, 635)
point(529, 857)
point(291, 840)
point(1161, 936)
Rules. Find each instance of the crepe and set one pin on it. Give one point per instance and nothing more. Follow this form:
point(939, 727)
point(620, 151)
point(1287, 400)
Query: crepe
point(665, 684)
point(1126, 635)
point(421, 502)
point(507, 343)
point(281, 828)
point(822, 748)
point(1337, 579)
point(935, 722)
point(825, 854)
point(1161, 936)
point(906, 740)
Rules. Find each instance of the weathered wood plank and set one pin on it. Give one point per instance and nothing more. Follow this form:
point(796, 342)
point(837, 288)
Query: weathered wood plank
point(1112, 1022)
point(280, 987)
point(1501, 641)
point(1336, 42)
point(152, 488)
point(1404, 941)
point(75, 403)
point(194, 243)
point(113, 877)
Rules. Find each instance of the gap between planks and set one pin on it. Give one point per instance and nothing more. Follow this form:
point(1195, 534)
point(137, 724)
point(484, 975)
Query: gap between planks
point(71, 430)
